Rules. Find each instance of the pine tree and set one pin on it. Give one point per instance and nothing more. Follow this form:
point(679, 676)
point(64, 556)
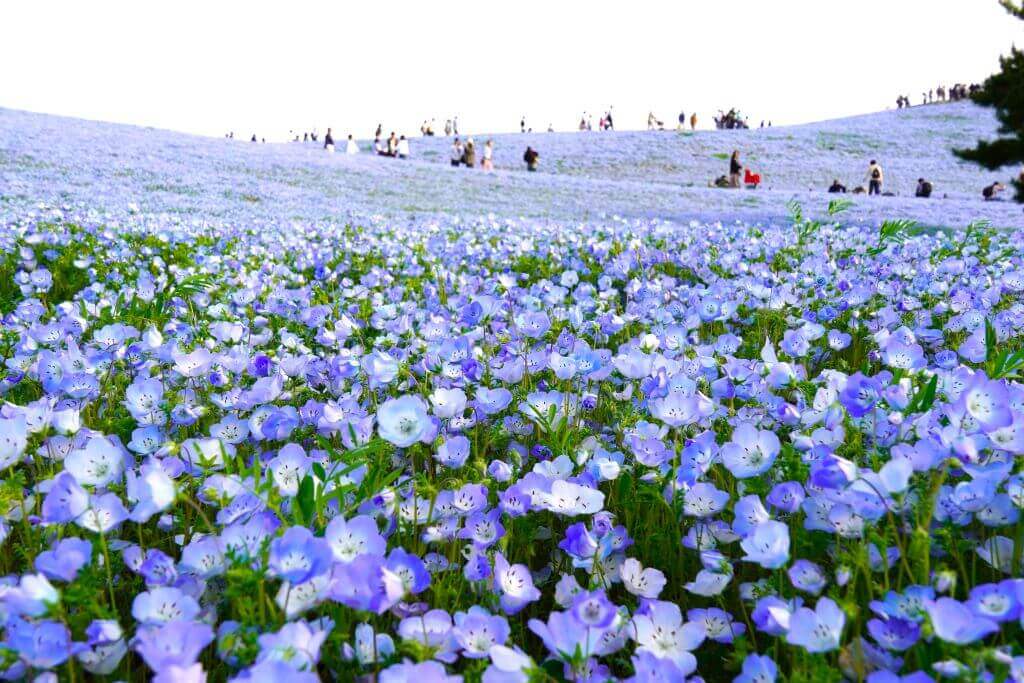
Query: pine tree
point(1005, 92)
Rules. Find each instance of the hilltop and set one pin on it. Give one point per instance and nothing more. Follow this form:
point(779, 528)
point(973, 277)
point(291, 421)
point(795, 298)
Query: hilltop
point(645, 174)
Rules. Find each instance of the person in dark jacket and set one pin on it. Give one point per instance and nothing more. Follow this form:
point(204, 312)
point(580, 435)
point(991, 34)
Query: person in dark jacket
point(837, 187)
point(531, 157)
point(735, 169)
point(991, 193)
point(329, 141)
point(924, 189)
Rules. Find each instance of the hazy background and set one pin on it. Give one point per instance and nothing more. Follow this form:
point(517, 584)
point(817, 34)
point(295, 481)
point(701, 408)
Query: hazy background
point(265, 68)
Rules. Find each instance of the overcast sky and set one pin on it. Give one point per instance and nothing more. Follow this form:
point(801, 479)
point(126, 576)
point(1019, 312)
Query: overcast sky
point(212, 66)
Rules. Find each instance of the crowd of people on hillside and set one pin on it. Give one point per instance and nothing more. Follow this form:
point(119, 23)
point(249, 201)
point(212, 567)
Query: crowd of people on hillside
point(731, 120)
point(953, 93)
point(875, 178)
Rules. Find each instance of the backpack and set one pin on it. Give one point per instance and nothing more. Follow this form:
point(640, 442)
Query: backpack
point(876, 174)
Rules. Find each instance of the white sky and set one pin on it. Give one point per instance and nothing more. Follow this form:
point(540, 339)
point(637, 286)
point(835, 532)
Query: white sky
point(213, 66)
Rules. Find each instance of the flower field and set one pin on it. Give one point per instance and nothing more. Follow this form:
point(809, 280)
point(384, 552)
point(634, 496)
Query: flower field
point(250, 436)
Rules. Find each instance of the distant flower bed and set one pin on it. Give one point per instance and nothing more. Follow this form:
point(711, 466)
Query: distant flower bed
point(429, 450)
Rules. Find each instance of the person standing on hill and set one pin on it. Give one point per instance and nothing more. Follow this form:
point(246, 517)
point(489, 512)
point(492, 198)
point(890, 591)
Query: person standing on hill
point(351, 147)
point(875, 178)
point(487, 163)
point(693, 121)
point(329, 142)
point(456, 152)
point(735, 169)
point(682, 120)
point(469, 154)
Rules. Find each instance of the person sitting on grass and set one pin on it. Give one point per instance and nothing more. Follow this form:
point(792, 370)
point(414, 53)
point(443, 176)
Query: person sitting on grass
point(991, 193)
point(531, 158)
point(924, 189)
point(837, 187)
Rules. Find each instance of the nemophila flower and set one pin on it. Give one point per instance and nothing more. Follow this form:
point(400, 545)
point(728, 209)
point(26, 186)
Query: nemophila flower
point(997, 601)
point(271, 671)
point(767, 545)
point(508, 665)
point(807, 576)
point(894, 633)
point(860, 394)
point(403, 421)
point(448, 403)
point(718, 624)
point(786, 497)
point(298, 555)
point(152, 491)
point(163, 604)
point(41, 645)
point(567, 498)
point(987, 401)
point(751, 451)
point(660, 631)
point(288, 468)
point(405, 573)
point(142, 398)
point(453, 452)
point(593, 609)
point(175, 643)
point(349, 539)
point(407, 672)
point(431, 629)
point(483, 528)
point(369, 647)
point(477, 630)
point(817, 630)
point(34, 596)
point(492, 401)
point(704, 500)
point(562, 634)
point(66, 501)
point(99, 464)
point(748, 512)
point(954, 622)
point(758, 669)
point(297, 644)
point(643, 582)
point(64, 560)
point(103, 513)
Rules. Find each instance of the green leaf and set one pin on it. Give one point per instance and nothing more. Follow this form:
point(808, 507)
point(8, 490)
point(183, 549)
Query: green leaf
point(306, 499)
point(837, 206)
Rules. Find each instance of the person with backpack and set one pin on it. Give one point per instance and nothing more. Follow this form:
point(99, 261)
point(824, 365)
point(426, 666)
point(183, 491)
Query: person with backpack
point(924, 189)
point(875, 178)
point(531, 157)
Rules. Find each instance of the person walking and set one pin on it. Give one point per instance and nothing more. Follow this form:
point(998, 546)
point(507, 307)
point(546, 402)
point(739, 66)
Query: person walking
point(469, 154)
point(487, 163)
point(351, 147)
point(693, 121)
point(403, 148)
point(456, 155)
point(875, 178)
point(735, 169)
point(531, 157)
point(329, 142)
point(682, 120)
